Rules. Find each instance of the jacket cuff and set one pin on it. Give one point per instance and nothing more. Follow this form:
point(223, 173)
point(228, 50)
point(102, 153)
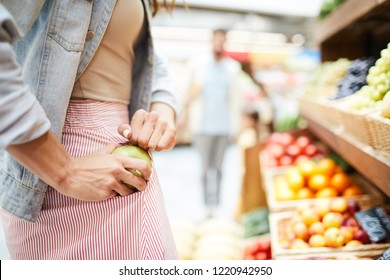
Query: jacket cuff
point(162, 96)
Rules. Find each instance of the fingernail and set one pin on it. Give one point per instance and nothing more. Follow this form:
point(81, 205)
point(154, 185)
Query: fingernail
point(126, 133)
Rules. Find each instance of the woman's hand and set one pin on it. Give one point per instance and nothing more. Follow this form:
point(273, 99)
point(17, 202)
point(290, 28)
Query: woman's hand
point(100, 176)
point(95, 177)
point(153, 130)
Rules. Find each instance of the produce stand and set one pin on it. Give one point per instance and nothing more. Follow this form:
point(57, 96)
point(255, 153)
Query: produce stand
point(357, 29)
point(277, 221)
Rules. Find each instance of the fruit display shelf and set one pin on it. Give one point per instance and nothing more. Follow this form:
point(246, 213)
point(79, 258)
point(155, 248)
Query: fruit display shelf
point(278, 222)
point(369, 197)
point(346, 31)
point(372, 164)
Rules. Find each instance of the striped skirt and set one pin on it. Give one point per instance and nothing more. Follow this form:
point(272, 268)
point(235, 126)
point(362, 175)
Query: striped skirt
point(131, 227)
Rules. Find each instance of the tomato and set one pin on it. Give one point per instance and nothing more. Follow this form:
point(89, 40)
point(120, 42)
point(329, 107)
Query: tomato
point(293, 150)
point(303, 141)
point(275, 150)
point(286, 160)
point(261, 256)
point(264, 245)
point(286, 139)
point(249, 257)
point(310, 150)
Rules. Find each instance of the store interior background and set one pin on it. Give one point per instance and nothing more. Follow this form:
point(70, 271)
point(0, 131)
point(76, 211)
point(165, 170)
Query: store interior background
point(278, 37)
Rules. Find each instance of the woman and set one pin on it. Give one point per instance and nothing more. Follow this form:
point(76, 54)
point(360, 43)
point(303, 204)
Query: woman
point(99, 56)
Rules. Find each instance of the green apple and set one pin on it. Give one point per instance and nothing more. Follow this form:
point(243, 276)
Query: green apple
point(133, 152)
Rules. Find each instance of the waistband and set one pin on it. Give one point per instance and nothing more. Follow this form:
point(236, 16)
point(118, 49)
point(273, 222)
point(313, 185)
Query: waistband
point(93, 114)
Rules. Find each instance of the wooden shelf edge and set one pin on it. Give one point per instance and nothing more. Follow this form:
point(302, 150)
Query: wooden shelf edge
point(345, 16)
point(363, 158)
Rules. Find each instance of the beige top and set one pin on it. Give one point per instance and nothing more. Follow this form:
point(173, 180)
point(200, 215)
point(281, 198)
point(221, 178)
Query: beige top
point(108, 76)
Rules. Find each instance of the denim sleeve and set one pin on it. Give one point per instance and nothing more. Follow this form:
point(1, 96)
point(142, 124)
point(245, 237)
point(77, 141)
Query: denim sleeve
point(22, 119)
point(162, 87)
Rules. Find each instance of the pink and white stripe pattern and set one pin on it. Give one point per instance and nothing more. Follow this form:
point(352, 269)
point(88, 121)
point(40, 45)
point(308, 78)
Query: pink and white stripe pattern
point(131, 227)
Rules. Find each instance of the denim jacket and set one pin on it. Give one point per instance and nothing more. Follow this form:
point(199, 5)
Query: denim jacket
point(53, 42)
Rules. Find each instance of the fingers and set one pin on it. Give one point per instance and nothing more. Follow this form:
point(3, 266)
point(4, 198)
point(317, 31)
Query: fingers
point(132, 181)
point(157, 135)
point(136, 124)
point(151, 120)
point(149, 131)
point(125, 130)
point(168, 140)
point(124, 190)
point(135, 164)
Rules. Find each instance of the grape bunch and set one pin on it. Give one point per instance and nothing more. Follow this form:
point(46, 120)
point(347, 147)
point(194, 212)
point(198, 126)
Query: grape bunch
point(355, 78)
point(378, 85)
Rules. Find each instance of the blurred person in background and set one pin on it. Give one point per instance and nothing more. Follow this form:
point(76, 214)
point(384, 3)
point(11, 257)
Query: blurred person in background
point(212, 85)
point(83, 76)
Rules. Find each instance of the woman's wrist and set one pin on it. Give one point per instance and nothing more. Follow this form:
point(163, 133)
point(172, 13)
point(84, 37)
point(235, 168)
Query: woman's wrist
point(165, 111)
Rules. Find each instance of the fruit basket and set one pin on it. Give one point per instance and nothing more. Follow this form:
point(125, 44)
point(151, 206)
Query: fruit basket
point(379, 128)
point(371, 196)
point(278, 224)
point(355, 122)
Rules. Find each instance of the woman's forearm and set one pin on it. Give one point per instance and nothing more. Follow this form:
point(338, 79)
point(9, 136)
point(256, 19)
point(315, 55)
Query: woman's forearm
point(44, 156)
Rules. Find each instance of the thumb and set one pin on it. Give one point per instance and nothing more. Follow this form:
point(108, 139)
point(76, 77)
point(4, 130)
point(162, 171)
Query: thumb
point(125, 130)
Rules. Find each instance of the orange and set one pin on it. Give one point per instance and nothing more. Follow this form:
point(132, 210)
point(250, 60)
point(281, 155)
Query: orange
point(327, 192)
point(352, 191)
point(295, 181)
point(318, 181)
point(306, 168)
point(304, 193)
point(340, 181)
point(325, 166)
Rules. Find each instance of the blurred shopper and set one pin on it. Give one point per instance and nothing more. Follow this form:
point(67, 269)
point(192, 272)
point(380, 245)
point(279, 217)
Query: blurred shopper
point(212, 85)
point(89, 69)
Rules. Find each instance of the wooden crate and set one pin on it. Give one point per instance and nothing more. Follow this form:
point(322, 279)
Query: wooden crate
point(278, 222)
point(370, 197)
